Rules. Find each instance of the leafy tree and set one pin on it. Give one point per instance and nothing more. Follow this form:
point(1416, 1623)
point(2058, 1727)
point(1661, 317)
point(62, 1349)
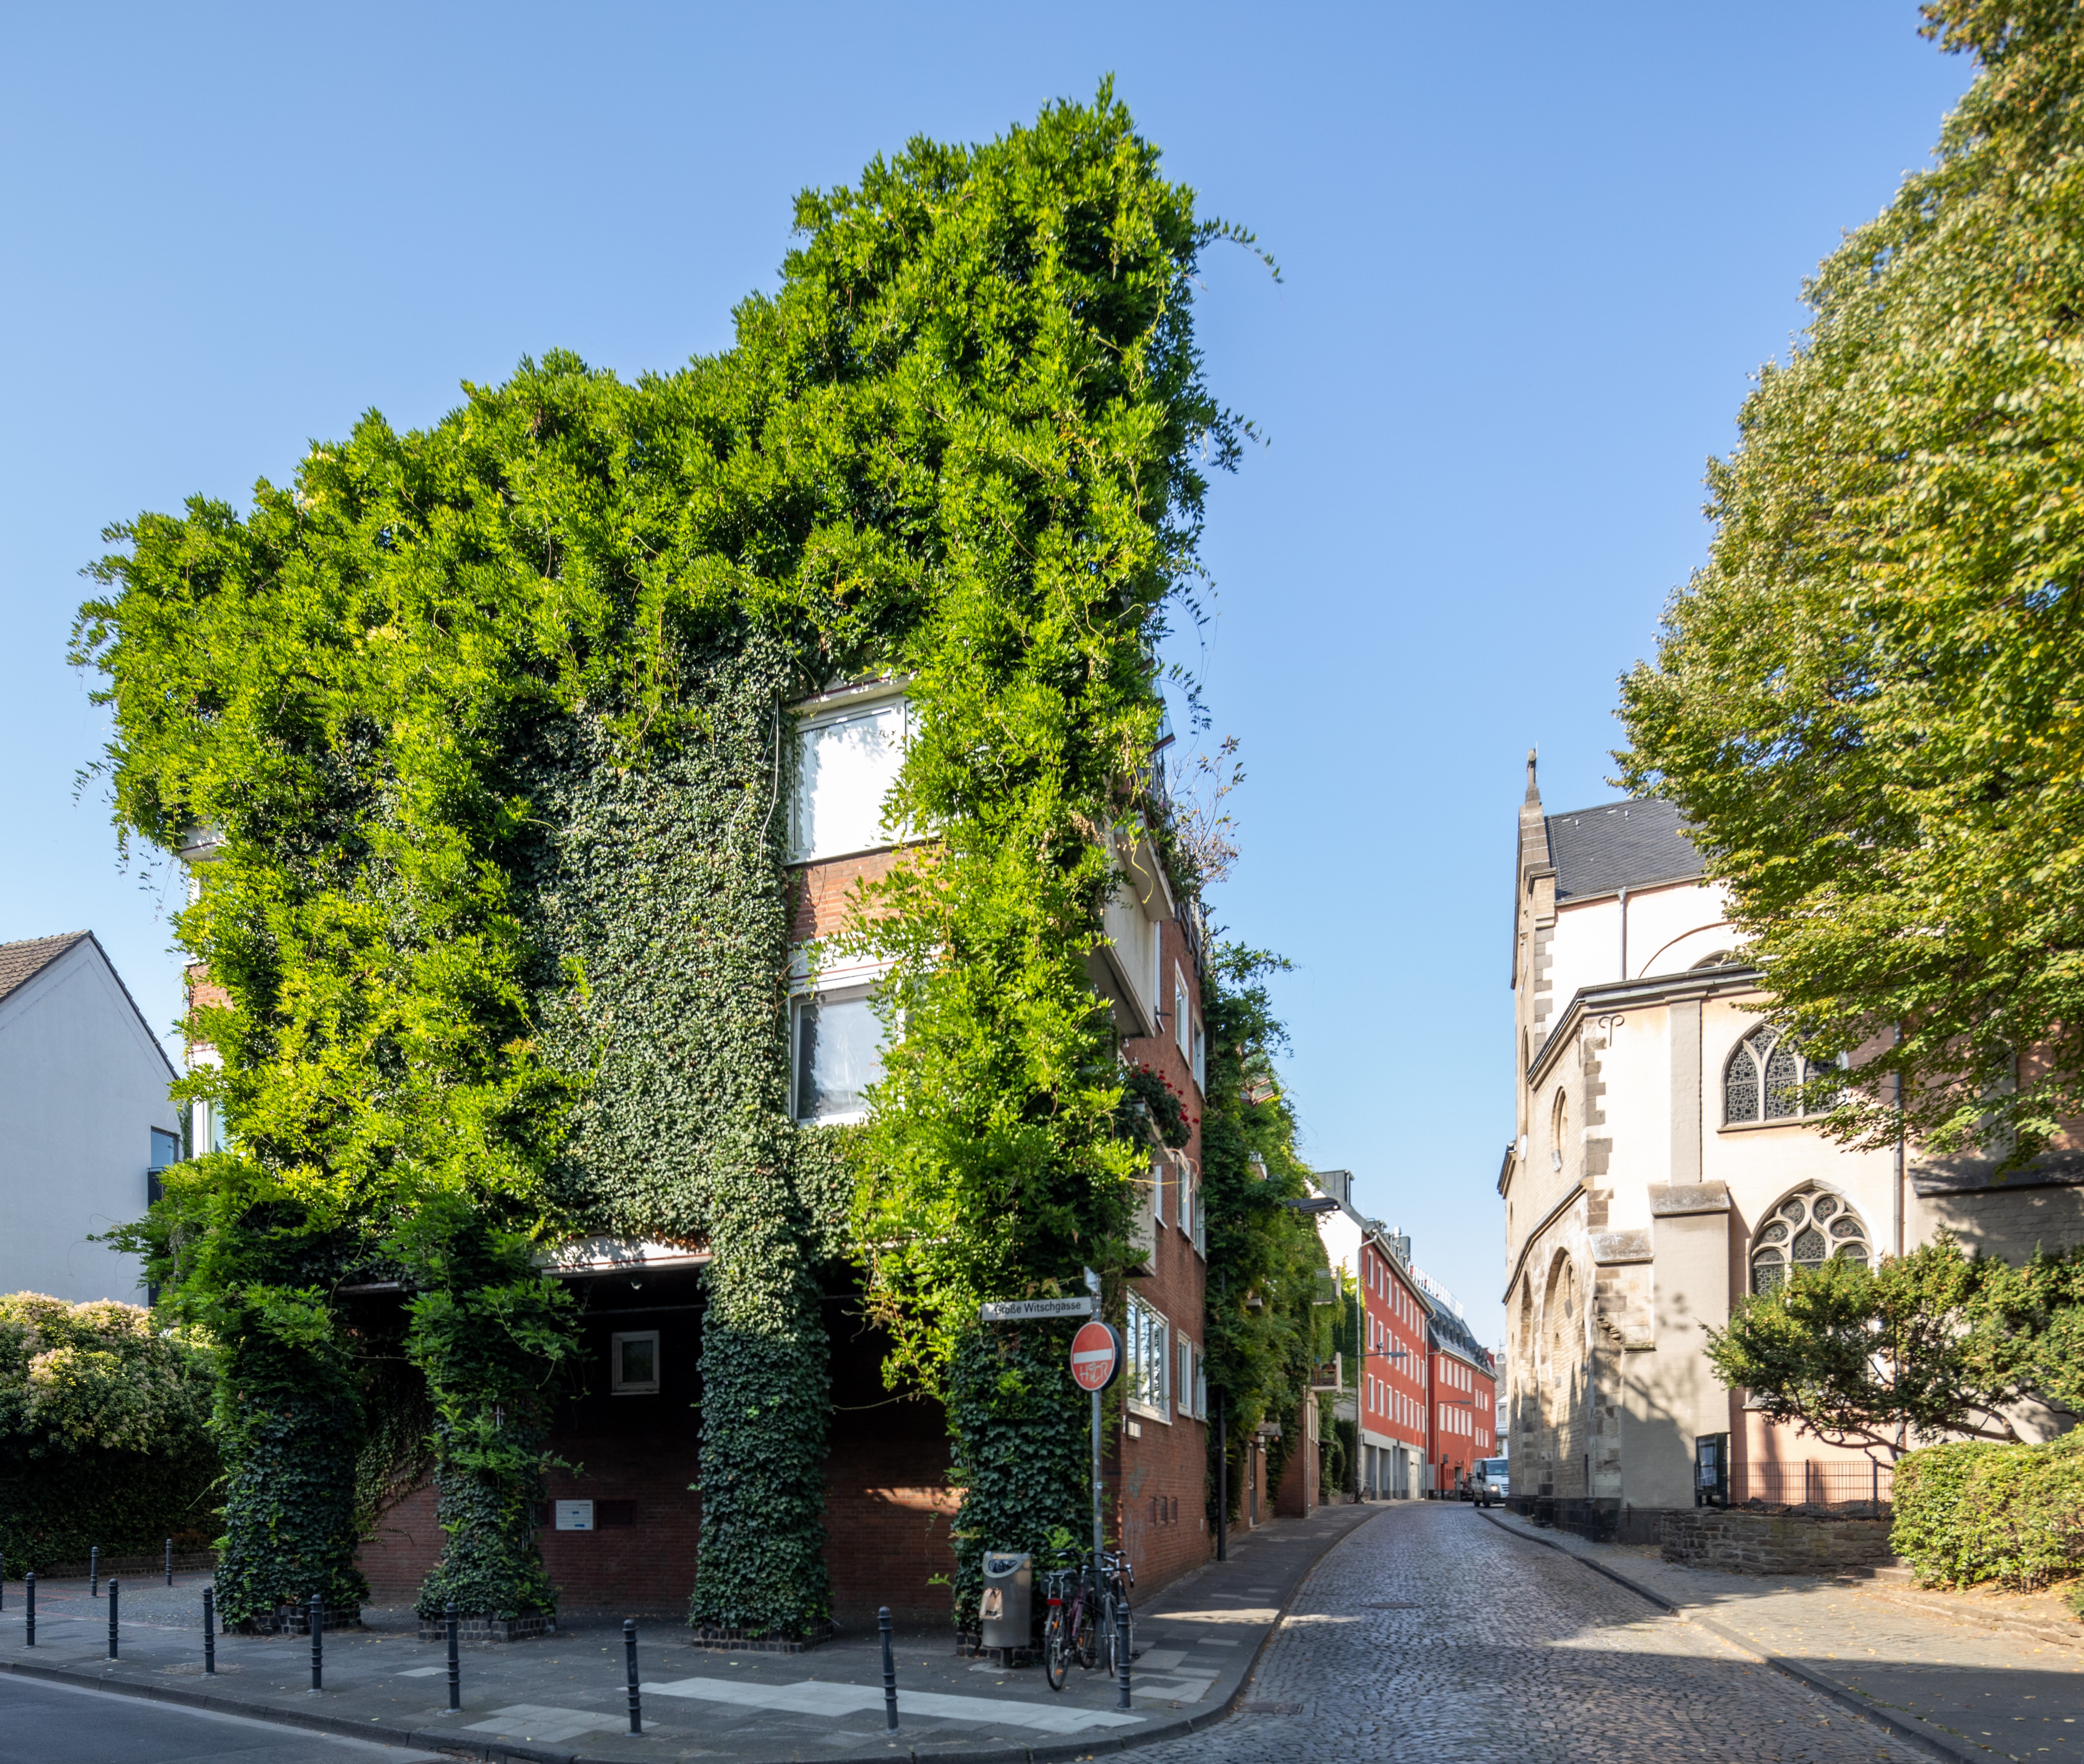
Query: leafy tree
point(1926, 1346)
point(104, 1438)
point(1870, 705)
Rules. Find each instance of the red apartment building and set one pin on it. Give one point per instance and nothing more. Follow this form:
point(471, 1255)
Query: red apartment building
point(1463, 1408)
point(1395, 1375)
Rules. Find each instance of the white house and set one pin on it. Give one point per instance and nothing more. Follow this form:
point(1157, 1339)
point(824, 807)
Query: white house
point(83, 1085)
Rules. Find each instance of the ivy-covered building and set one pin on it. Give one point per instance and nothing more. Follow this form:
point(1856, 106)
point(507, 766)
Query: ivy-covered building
point(620, 1516)
point(689, 914)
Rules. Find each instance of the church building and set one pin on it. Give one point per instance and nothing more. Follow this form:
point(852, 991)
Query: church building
point(1662, 1166)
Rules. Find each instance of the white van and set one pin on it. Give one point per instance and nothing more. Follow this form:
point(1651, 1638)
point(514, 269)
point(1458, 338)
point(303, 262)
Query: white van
point(1493, 1481)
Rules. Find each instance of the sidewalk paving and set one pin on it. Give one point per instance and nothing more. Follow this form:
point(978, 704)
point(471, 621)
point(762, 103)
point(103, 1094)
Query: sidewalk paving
point(561, 1699)
point(1967, 1692)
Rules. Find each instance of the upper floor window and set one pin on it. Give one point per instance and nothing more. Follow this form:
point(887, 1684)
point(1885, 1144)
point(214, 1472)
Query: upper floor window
point(1806, 1230)
point(847, 758)
point(838, 1053)
point(1147, 1339)
point(1763, 1078)
point(1559, 1126)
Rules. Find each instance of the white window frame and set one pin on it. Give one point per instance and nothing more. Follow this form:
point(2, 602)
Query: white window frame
point(1160, 1169)
point(840, 982)
point(1149, 1341)
point(1183, 1386)
point(1182, 1013)
point(617, 1385)
point(824, 714)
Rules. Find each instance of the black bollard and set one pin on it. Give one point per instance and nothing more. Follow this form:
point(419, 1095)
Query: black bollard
point(112, 1619)
point(318, 1643)
point(209, 1632)
point(1121, 1651)
point(629, 1658)
point(455, 1660)
point(94, 1573)
point(29, 1613)
point(170, 1562)
point(889, 1671)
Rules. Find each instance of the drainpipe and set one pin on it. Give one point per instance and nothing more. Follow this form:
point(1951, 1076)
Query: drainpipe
point(1624, 973)
point(1898, 1152)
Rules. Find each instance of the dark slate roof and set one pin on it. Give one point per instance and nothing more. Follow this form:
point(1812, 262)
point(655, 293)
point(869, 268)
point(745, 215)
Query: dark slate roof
point(1451, 1331)
point(22, 963)
point(1626, 845)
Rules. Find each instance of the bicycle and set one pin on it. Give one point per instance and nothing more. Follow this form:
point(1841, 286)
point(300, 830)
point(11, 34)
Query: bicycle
point(1068, 1633)
point(1117, 1575)
point(1083, 1604)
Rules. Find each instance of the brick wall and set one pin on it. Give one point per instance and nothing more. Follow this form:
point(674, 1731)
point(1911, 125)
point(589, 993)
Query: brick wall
point(1160, 1477)
point(821, 890)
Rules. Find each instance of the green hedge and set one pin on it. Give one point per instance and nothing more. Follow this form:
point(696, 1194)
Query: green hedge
point(103, 1434)
point(1972, 1512)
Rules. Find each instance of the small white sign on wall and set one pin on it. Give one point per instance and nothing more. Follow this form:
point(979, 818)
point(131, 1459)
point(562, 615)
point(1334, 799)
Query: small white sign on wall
point(574, 1515)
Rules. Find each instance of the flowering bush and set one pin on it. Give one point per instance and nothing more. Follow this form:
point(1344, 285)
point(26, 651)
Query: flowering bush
point(103, 1436)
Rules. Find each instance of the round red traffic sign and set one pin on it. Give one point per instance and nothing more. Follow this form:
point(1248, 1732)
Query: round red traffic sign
point(1095, 1356)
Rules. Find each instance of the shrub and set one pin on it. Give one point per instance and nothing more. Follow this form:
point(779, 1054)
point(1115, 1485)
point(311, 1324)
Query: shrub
point(1967, 1514)
point(104, 1432)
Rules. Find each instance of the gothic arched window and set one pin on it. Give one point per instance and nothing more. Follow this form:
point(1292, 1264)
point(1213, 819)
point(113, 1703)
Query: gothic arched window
point(1764, 1077)
point(1810, 1227)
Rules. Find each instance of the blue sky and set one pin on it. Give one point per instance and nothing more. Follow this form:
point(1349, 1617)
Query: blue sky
point(1531, 255)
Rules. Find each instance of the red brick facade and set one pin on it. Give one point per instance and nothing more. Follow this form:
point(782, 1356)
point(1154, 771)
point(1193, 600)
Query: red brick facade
point(1162, 1478)
point(1463, 1410)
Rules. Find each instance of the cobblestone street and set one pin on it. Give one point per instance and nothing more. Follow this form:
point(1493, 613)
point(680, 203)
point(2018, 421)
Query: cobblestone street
point(1432, 1635)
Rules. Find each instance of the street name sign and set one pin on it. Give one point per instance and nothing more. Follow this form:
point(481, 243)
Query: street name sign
point(1020, 1310)
point(1095, 1356)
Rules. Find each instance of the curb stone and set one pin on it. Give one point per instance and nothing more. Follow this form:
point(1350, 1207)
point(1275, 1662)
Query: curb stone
point(458, 1744)
point(1904, 1727)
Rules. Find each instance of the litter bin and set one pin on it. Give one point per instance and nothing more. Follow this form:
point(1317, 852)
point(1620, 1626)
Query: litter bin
point(1007, 1608)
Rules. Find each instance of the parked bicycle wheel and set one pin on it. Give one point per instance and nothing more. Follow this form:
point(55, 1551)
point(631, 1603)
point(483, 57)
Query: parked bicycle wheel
point(1085, 1633)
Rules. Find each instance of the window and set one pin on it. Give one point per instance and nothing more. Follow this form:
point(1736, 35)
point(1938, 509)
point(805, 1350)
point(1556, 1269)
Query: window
point(838, 1054)
point(1201, 1217)
point(1559, 1124)
point(1160, 1169)
point(1183, 1387)
point(1201, 1058)
point(632, 1361)
point(846, 761)
point(1182, 1013)
point(165, 1150)
point(1147, 1339)
point(1763, 1078)
point(209, 1130)
point(1807, 1229)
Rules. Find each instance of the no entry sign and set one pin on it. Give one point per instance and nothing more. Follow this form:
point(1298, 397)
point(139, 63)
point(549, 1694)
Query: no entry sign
point(1095, 1356)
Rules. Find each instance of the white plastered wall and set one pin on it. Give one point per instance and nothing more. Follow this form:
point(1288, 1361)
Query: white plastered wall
point(81, 1086)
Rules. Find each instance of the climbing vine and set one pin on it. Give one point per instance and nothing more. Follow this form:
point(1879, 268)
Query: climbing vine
point(1265, 1328)
point(490, 723)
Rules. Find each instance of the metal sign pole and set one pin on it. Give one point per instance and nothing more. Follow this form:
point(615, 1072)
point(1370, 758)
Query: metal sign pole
point(1099, 1521)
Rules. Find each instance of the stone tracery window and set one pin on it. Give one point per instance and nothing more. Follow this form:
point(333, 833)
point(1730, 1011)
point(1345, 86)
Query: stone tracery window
point(1764, 1077)
point(1808, 1228)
